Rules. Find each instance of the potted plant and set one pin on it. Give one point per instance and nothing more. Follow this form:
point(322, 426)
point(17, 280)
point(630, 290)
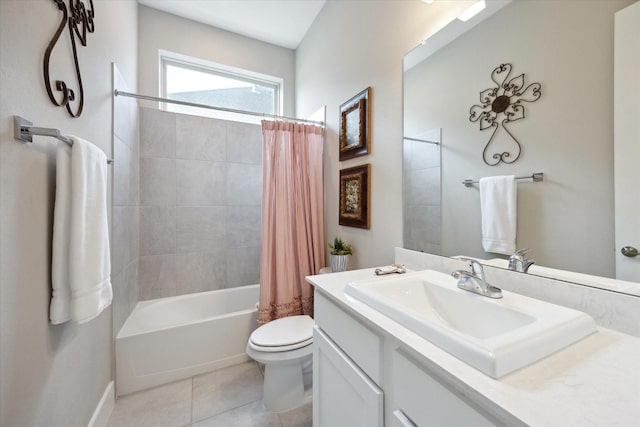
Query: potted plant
point(340, 251)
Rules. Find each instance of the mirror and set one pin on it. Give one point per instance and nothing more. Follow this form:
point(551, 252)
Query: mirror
point(421, 189)
point(567, 220)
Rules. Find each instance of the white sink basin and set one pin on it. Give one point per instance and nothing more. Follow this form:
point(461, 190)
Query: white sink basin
point(495, 336)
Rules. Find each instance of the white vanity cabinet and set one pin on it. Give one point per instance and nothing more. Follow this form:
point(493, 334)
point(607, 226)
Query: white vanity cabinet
point(365, 377)
point(344, 394)
point(370, 370)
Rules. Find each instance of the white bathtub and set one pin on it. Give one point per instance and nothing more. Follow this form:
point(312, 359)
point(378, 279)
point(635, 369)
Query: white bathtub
point(173, 338)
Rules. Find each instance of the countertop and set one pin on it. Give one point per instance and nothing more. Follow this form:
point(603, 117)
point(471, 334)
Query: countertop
point(594, 382)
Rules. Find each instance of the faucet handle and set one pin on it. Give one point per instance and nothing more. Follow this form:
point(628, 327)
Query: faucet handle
point(520, 253)
point(474, 265)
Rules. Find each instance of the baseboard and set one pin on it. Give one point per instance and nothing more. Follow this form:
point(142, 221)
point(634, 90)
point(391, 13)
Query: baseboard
point(103, 411)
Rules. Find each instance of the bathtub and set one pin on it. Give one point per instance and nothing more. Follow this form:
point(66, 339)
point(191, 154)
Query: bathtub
point(173, 338)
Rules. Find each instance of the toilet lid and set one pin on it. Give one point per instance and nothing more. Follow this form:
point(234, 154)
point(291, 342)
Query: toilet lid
point(287, 331)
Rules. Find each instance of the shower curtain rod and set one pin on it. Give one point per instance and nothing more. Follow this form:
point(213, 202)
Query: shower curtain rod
point(210, 107)
point(420, 140)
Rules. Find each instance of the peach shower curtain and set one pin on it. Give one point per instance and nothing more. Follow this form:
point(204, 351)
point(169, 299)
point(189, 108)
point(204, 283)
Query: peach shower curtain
point(292, 218)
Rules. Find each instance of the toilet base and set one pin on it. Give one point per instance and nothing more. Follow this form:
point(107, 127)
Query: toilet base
point(284, 386)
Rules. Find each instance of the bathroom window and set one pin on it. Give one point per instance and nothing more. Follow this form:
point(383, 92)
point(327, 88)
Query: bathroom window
point(201, 82)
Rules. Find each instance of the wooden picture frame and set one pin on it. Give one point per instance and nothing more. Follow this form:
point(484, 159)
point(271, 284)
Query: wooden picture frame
point(355, 188)
point(354, 126)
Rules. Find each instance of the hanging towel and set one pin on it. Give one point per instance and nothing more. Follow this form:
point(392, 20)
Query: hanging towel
point(498, 205)
point(81, 264)
point(60, 311)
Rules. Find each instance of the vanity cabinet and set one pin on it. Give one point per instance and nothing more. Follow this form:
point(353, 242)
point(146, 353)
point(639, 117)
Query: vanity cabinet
point(365, 377)
point(346, 370)
point(343, 395)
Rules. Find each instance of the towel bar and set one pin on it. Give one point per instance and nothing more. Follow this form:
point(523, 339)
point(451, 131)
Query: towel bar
point(536, 177)
point(24, 131)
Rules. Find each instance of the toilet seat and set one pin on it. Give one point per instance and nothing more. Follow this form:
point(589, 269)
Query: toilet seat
point(284, 334)
point(277, 349)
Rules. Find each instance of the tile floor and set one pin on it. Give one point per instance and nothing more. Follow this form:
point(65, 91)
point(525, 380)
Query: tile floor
point(229, 397)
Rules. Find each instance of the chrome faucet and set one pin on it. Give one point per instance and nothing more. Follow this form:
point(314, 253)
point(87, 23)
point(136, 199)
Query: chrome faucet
point(474, 281)
point(518, 261)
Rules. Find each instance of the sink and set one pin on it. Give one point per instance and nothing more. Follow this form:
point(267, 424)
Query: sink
point(495, 336)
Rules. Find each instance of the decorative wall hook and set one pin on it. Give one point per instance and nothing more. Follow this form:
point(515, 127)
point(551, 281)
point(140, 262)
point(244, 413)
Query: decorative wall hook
point(79, 20)
point(502, 105)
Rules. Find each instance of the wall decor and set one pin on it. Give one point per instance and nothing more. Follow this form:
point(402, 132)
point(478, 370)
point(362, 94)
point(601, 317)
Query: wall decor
point(79, 20)
point(502, 105)
point(354, 126)
point(355, 188)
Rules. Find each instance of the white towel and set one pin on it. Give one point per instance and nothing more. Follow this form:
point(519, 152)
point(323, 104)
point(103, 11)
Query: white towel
point(81, 263)
point(60, 310)
point(498, 205)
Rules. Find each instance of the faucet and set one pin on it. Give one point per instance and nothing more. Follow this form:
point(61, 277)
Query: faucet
point(518, 261)
point(474, 281)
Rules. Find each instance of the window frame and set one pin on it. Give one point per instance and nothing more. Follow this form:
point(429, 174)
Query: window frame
point(167, 58)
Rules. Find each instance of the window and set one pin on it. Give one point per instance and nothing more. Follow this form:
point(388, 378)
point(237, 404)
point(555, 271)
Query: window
point(201, 82)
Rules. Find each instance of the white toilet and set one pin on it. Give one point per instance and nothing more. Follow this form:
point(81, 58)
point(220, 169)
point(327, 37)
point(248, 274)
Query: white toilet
point(284, 346)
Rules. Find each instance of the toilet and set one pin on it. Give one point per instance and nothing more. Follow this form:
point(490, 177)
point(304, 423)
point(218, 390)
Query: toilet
point(284, 346)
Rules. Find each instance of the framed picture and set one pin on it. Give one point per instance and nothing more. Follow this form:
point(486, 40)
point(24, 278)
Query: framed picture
point(354, 196)
point(354, 126)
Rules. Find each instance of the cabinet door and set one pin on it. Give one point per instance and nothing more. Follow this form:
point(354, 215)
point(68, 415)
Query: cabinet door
point(343, 395)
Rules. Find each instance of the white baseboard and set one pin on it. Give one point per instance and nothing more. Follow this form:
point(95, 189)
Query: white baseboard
point(103, 411)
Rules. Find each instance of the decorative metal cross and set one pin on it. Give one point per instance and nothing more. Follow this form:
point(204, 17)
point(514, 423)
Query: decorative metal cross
point(505, 100)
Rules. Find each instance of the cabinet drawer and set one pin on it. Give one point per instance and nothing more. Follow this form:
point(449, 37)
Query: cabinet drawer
point(426, 401)
point(362, 345)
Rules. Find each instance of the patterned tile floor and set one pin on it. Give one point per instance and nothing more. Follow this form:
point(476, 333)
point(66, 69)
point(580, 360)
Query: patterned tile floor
point(229, 397)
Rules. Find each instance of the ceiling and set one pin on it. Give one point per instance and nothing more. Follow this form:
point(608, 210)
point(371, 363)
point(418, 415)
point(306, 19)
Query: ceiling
point(280, 22)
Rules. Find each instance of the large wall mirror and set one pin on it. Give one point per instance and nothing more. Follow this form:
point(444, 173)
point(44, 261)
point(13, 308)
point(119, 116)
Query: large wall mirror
point(567, 220)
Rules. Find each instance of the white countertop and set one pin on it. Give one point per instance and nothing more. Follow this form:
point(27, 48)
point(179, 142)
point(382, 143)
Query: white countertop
point(595, 382)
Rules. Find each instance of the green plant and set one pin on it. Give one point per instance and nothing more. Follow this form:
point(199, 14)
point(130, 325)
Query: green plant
point(340, 248)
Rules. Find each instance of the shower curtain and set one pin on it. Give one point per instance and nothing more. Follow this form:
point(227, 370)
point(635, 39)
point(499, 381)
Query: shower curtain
point(292, 218)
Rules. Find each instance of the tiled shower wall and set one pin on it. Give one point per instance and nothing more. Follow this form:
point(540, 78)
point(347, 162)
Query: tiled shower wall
point(200, 197)
point(125, 248)
point(422, 207)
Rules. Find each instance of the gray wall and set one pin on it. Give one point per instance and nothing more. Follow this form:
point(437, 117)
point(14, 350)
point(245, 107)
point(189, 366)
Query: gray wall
point(200, 195)
point(329, 71)
point(352, 45)
point(49, 375)
point(159, 30)
point(567, 220)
